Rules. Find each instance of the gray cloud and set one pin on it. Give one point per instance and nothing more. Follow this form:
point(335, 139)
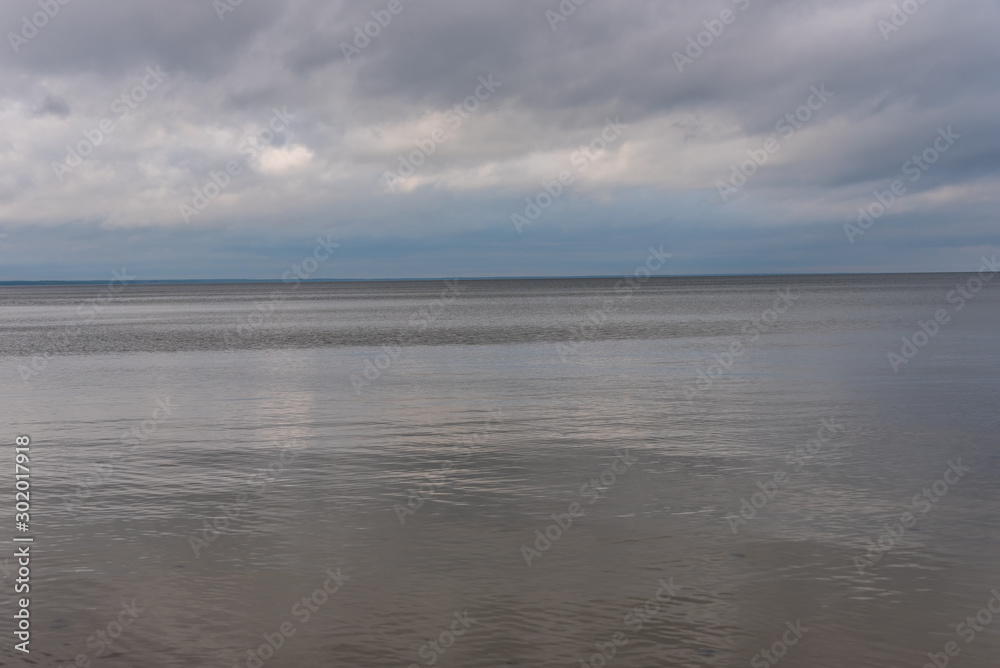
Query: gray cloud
point(356, 114)
point(52, 105)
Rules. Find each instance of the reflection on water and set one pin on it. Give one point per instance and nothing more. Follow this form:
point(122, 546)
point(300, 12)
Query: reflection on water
point(424, 487)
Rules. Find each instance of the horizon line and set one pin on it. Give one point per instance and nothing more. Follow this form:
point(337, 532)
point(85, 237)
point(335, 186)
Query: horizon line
point(204, 281)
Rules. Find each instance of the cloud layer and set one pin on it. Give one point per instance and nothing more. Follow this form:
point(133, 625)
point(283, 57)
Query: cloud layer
point(210, 139)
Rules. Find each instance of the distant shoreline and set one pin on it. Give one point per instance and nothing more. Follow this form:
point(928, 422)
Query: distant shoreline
point(217, 281)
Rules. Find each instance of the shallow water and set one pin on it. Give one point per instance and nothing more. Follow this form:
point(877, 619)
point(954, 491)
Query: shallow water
point(428, 429)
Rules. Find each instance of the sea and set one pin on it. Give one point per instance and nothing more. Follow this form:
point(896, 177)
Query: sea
point(644, 472)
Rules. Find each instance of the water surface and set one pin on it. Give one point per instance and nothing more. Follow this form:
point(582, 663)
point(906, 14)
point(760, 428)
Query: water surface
point(419, 433)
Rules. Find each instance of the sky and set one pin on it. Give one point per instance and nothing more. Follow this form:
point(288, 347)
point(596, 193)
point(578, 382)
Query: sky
point(436, 138)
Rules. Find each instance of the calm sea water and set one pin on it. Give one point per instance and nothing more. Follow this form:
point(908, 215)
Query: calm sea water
point(415, 439)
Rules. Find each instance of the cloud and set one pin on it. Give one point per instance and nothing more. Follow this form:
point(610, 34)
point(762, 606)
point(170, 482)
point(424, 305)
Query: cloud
point(358, 113)
point(53, 105)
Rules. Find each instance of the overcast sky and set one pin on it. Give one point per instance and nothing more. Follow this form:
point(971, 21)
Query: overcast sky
point(367, 148)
